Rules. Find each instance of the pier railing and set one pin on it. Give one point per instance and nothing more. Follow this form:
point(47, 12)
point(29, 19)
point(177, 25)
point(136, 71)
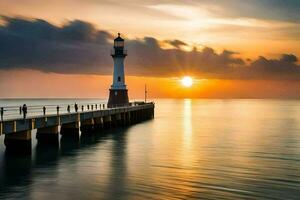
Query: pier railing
point(16, 112)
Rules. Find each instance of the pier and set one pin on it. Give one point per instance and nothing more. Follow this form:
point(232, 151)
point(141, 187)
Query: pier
point(18, 131)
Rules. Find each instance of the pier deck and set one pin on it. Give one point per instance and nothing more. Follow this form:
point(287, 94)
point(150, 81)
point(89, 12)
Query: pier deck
point(18, 131)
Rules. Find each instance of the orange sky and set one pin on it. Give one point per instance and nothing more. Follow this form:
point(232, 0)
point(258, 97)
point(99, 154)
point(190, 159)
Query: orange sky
point(49, 85)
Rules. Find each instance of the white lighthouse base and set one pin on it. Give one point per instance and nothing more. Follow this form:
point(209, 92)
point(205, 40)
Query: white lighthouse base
point(118, 98)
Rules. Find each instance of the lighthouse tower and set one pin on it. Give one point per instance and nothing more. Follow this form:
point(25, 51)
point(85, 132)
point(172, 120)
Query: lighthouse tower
point(118, 93)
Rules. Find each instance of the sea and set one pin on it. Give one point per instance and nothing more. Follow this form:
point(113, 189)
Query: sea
point(192, 149)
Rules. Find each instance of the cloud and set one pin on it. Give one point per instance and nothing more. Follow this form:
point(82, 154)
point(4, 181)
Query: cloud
point(289, 58)
point(176, 43)
point(77, 47)
point(283, 68)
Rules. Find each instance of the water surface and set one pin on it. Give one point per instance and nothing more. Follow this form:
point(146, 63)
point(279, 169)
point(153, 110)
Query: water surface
point(193, 149)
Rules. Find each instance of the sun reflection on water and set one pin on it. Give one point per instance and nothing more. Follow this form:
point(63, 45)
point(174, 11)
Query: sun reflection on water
point(187, 120)
point(187, 130)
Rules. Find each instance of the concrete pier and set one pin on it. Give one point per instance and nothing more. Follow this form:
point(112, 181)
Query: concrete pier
point(98, 124)
point(18, 131)
point(107, 122)
point(127, 118)
point(48, 135)
point(87, 126)
point(117, 120)
point(70, 129)
point(19, 142)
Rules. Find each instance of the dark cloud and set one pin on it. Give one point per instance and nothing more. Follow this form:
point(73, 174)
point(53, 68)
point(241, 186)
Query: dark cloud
point(289, 58)
point(176, 43)
point(283, 68)
point(78, 47)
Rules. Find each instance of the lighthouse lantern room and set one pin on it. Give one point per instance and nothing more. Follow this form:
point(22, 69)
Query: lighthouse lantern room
point(118, 93)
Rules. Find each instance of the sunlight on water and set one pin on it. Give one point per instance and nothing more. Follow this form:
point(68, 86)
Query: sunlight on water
point(187, 124)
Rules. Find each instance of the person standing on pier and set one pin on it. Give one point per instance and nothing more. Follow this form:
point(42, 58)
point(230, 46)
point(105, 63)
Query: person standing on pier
point(82, 108)
point(57, 110)
point(2, 112)
point(68, 109)
point(20, 110)
point(76, 107)
point(44, 110)
point(88, 107)
point(24, 109)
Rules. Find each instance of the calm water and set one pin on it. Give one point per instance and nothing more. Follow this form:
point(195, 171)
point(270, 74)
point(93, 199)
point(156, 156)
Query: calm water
point(193, 149)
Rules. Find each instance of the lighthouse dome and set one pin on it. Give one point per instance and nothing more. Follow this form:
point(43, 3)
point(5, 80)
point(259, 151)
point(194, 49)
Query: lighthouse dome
point(119, 42)
point(119, 38)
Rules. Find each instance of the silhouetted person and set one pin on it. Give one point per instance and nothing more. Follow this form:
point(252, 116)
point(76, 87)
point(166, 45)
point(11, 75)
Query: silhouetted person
point(82, 108)
point(57, 110)
point(44, 110)
point(68, 108)
point(76, 107)
point(96, 106)
point(2, 112)
point(103, 106)
point(20, 110)
point(92, 107)
point(88, 107)
point(24, 109)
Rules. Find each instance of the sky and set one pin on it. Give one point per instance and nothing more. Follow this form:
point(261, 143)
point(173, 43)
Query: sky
point(232, 48)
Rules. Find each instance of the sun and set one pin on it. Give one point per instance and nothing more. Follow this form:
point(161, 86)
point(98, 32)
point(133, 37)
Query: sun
point(187, 81)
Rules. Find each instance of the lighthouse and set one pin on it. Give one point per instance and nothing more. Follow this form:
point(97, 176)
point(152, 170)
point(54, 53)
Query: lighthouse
point(118, 93)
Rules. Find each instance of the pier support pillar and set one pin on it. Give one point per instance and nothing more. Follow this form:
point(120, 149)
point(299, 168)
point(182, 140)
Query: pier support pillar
point(71, 129)
point(87, 126)
point(152, 113)
point(19, 142)
point(143, 115)
point(48, 135)
point(134, 117)
point(107, 122)
point(118, 120)
point(98, 123)
point(131, 117)
point(113, 121)
point(124, 119)
point(138, 116)
point(127, 118)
